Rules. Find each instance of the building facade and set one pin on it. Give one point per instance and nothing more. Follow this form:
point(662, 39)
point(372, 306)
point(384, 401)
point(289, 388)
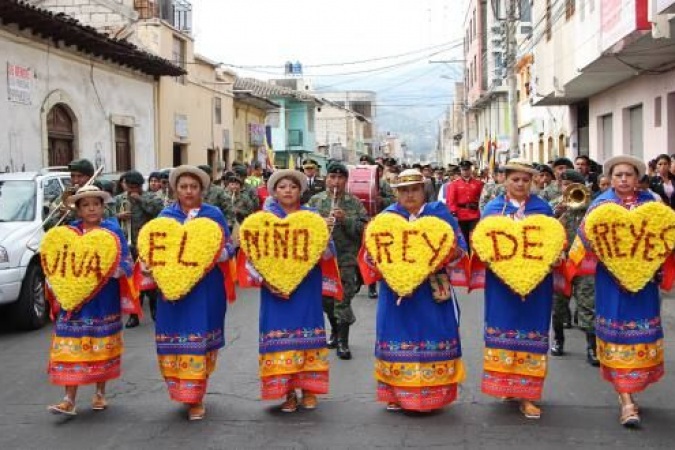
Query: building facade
point(70, 92)
point(340, 132)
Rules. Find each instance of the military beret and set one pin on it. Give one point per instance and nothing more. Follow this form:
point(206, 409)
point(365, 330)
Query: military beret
point(368, 159)
point(562, 161)
point(206, 168)
point(134, 178)
point(155, 174)
point(164, 174)
point(573, 176)
point(338, 168)
point(84, 166)
point(240, 170)
point(545, 168)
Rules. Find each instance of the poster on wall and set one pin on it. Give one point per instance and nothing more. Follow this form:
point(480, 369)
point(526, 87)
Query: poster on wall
point(19, 84)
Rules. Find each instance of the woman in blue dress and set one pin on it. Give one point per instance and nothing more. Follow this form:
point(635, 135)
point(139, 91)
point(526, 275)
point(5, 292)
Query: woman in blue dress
point(628, 325)
point(418, 353)
point(516, 328)
point(87, 345)
point(189, 332)
point(292, 343)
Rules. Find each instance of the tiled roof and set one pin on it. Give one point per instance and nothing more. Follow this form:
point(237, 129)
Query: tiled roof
point(271, 91)
point(62, 28)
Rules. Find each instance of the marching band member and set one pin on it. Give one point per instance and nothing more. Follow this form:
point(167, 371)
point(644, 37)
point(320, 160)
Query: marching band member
point(516, 328)
point(189, 332)
point(417, 349)
point(628, 325)
point(155, 182)
point(87, 343)
point(238, 206)
point(463, 197)
point(350, 218)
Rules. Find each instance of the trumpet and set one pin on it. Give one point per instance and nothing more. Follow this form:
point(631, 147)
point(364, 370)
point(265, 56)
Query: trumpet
point(576, 196)
point(64, 206)
point(124, 208)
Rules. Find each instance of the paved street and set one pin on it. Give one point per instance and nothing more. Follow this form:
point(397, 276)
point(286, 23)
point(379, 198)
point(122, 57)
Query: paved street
point(580, 411)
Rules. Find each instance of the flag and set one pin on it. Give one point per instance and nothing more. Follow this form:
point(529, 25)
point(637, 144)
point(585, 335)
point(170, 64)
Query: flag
point(270, 154)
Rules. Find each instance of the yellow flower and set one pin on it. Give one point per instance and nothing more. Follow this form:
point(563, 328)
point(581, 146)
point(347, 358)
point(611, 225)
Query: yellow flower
point(521, 253)
point(406, 253)
point(632, 244)
point(284, 250)
point(78, 265)
point(179, 256)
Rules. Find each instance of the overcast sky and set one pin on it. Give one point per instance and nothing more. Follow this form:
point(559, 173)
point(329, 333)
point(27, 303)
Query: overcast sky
point(270, 32)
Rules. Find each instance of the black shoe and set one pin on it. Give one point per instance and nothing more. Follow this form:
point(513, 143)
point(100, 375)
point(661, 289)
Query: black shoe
point(343, 351)
point(591, 353)
point(372, 291)
point(557, 348)
point(132, 322)
point(332, 341)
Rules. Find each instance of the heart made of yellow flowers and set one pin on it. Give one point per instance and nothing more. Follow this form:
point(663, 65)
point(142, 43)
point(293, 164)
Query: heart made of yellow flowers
point(284, 250)
point(407, 253)
point(78, 265)
point(179, 255)
point(519, 252)
point(632, 244)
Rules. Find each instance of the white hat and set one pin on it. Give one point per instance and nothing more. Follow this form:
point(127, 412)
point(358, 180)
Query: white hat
point(198, 173)
point(300, 177)
point(408, 177)
point(519, 165)
point(639, 165)
point(89, 191)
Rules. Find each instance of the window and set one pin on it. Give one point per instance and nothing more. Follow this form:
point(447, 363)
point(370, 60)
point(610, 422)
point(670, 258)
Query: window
point(657, 111)
point(178, 56)
point(635, 131)
point(217, 111)
point(570, 6)
point(606, 137)
point(123, 153)
point(548, 20)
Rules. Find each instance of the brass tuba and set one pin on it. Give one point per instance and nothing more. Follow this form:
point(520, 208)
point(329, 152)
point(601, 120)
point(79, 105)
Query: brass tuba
point(576, 196)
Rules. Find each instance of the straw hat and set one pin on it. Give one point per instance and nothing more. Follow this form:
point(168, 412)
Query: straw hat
point(300, 177)
point(89, 191)
point(520, 165)
point(408, 177)
point(192, 170)
point(639, 165)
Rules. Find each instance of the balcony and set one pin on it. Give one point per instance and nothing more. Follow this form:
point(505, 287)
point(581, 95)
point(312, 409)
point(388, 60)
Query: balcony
point(295, 138)
point(176, 12)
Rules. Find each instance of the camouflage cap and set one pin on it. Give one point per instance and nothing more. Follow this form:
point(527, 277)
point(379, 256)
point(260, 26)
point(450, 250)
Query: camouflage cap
point(83, 166)
point(338, 168)
point(573, 176)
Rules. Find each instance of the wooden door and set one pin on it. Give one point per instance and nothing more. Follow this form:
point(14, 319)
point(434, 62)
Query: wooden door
point(61, 137)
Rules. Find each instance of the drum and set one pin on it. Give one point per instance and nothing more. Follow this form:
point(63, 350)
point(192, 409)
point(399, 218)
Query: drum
point(364, 184)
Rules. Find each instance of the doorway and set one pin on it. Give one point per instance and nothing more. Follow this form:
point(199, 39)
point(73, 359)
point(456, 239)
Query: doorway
point(60, 136)
point(179, 154)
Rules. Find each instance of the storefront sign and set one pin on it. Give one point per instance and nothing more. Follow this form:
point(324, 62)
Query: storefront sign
point(19, 84)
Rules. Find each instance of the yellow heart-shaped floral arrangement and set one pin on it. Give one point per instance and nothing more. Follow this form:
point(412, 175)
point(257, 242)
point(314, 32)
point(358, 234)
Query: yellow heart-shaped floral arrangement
point(406, 253)
point(520, 252)
point(632, 244)
point(78, 265)
point(179, 256)
point(284, 250)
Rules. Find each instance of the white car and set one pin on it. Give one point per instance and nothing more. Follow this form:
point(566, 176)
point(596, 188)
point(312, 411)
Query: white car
point(25, 201)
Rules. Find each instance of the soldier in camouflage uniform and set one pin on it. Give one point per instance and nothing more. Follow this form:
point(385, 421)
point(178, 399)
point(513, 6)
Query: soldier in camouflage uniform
point(237, 205)
point(492, 190)
point(350, 219)
point(248, 191)
point(583, 287)
point(134, 208)
point(81, 170)
point(214, 195)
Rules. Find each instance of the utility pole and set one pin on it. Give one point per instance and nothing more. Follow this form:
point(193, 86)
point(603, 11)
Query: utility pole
point(511, 55)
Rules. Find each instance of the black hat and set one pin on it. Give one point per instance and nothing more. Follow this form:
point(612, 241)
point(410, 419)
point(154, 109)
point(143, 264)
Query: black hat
point(133, 178)
point(233, 178)
point(545, 168)
point(562, 161)
point(573, 176)
point(240, 170)
point(155, 174)
point(206, 168)
point(84, 166)
point(389, 162)
point(164, 174)
point(338, 168)
point(465, 164)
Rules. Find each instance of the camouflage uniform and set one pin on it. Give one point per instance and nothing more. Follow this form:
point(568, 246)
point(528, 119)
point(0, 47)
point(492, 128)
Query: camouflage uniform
point(552, 194)
point(237, 207)
point(490, 192)
point(387, 194)
point(252, 194)
point(142, 211)
point(583, 287)
point(347, 238)
point(215, 196)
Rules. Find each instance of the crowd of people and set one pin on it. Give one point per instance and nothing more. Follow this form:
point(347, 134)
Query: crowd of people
point(418, 354)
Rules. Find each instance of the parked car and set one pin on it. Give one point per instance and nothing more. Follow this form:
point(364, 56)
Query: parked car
point(26, 198)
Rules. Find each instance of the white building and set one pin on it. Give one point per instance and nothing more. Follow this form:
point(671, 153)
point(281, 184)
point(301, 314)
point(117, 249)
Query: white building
point(340, 132)
point(612, 63)
point(363, 104)
point(70, 92)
